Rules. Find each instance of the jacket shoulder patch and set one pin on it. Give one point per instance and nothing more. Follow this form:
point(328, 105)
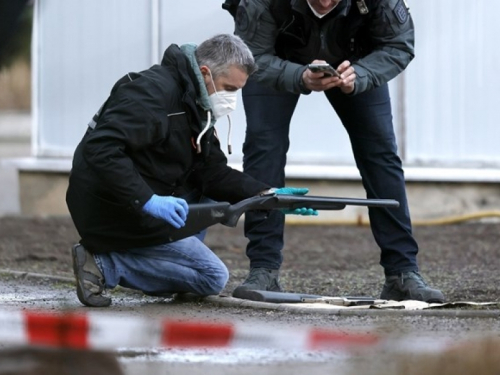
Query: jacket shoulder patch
point(401, 11)
point(241, 18)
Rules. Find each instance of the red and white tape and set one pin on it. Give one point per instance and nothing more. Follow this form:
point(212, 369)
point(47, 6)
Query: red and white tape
point(102, 331)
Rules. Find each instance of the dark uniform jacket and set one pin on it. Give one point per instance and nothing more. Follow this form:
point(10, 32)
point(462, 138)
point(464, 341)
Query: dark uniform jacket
point(144, 143)
point(376, 36)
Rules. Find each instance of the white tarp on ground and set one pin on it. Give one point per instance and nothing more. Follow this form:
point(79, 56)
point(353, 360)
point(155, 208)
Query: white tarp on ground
point(331, 303)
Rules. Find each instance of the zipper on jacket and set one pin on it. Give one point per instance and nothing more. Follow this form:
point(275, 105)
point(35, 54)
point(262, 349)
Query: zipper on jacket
point(322, 40)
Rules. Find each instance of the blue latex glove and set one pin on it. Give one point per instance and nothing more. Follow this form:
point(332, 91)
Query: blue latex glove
point(298, 211)
point(171, 209)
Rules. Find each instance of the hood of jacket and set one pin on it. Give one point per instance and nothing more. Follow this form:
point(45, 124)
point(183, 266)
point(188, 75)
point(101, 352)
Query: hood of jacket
point(182, 62)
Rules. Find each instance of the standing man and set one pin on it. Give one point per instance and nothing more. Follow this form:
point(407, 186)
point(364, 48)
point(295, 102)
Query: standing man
point(369, 42)
point(149, 151)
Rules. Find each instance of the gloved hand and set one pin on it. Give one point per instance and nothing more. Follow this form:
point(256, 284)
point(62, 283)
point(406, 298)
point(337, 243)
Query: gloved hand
point(298, 211)
point(291, 191)
point(171, 209)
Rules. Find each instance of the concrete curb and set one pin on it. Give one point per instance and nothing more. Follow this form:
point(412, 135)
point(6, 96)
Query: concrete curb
point(222, 300)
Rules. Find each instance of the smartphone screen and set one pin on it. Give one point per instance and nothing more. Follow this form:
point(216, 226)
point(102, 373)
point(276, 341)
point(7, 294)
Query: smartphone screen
point(327, 69)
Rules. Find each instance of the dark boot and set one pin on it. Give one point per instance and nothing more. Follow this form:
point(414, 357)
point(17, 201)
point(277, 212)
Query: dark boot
point(89, 279)
point(258, 279)
point(409, 286)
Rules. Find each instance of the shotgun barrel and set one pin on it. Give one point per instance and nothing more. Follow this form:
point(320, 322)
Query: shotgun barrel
point(204, 215)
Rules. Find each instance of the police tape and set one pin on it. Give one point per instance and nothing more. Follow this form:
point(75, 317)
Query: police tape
point(100, 331)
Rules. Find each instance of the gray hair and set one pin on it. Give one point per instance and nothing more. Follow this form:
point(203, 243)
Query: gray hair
point(222, 51)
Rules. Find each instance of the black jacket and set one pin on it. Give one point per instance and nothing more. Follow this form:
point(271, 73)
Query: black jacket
point(284, 36)
point(143, 143)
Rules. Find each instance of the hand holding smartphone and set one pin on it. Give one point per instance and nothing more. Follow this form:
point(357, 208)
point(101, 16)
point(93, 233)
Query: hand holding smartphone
point(325, 68)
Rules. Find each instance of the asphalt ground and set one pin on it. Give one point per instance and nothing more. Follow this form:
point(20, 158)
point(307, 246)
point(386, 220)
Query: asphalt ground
point(409, 336)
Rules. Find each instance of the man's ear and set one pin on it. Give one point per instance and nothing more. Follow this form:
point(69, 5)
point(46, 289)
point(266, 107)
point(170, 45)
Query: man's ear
point(208, 79)
point(205, 72)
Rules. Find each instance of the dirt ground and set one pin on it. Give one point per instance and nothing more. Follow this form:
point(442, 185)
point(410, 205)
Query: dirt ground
point(462, 260)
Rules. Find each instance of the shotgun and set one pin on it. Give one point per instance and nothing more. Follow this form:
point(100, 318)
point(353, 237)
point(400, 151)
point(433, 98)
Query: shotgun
point(286, 297)
point(204, 215)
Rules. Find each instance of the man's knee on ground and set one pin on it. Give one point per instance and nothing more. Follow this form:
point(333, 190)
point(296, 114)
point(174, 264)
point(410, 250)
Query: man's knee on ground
point(216, 281)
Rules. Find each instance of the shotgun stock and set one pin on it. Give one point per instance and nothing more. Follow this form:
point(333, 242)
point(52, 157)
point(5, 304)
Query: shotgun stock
point(204, 215)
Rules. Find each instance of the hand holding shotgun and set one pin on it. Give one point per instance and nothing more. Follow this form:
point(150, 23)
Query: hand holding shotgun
point(289, 200)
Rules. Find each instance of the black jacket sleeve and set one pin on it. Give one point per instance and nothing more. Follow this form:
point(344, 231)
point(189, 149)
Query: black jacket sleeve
point(392, 33)
point(223, 183)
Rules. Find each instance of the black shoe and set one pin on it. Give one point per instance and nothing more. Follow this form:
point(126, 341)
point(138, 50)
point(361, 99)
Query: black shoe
point(89, 279)
point(258, 279)
point(410, 286)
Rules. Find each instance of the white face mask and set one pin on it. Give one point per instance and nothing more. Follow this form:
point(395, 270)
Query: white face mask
point(223, 102)
point(319, 15)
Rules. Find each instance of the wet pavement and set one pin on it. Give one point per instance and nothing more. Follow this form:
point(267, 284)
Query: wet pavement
point(404, 333)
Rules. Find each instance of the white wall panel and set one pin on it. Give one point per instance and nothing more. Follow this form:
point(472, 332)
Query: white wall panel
point(82, 48)
point(447, 116)
point(104, 39)
point(452, 87)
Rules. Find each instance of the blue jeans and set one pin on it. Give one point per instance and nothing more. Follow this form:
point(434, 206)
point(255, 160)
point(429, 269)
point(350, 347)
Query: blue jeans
point(367, 119)
point(187, 265)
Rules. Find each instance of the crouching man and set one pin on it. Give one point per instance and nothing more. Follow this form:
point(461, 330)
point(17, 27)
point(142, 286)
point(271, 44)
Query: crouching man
point(149, 151)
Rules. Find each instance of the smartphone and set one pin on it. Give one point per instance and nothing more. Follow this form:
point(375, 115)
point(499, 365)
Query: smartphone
point(327, 69)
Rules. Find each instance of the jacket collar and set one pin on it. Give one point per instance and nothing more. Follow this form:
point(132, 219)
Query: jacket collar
point(342, 8)
point(189, 50)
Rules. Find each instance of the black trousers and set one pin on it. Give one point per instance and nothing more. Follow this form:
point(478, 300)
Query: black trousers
point(367, 119)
